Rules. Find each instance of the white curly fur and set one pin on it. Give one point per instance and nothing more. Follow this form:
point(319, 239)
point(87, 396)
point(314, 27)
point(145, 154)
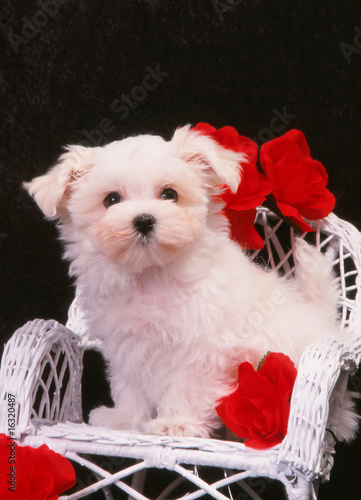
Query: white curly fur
point(179, 309)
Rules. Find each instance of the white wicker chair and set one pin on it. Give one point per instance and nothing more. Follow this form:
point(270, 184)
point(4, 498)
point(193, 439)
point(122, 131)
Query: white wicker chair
point(42, 368)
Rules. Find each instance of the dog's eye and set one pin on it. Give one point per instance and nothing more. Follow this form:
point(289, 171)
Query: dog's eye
point(169, 194)
point(112, 199)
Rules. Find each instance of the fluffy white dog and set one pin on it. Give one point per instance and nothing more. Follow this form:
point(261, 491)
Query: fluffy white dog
point(177, 304)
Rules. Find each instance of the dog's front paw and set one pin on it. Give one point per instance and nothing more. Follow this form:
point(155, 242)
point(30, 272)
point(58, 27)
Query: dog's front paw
point(116, 418)
point(176, 426)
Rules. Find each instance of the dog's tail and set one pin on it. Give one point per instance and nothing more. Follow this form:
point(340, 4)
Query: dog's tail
point(318, 283)
point(315, 277)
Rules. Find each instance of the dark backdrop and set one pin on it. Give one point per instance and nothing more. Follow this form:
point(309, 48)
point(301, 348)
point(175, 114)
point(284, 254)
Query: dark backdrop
point(93, 71)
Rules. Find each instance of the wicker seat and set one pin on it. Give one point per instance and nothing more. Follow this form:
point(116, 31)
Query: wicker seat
point(42, 367)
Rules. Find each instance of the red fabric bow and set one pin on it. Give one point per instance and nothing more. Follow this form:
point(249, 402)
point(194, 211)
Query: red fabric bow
point(258, 409)
point(32, 473)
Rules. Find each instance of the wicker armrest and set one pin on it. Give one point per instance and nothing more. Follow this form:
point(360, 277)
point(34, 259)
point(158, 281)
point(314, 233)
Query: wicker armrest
point(317, 398)
point(41, 368)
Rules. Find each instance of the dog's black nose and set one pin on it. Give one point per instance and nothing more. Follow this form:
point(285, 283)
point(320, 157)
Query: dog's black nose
point(144, 223)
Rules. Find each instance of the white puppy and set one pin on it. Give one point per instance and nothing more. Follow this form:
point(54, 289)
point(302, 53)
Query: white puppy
point(176, 303)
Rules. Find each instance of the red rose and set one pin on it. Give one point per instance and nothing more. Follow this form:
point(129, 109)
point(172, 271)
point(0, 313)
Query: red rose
point(40, 473)
point(298, 182)
point(258, 409)
point(240, 207)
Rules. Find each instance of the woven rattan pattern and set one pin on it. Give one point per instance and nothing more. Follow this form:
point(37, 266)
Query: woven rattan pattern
point(42, 368)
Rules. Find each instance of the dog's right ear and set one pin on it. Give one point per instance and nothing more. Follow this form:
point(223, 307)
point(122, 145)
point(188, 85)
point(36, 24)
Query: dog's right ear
point(214, 163)
point(52, 190)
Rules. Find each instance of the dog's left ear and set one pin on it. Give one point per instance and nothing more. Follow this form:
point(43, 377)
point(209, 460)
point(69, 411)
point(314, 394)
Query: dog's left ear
point(217, 165)
point(51, 190)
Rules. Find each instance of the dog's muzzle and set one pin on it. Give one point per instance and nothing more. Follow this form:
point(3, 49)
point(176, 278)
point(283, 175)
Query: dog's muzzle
point(144, 224)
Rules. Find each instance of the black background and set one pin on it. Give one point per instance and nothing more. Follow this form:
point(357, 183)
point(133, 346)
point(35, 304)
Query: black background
point(65, 67)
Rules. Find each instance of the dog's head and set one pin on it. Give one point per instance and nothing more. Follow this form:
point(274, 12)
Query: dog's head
point(138, 201)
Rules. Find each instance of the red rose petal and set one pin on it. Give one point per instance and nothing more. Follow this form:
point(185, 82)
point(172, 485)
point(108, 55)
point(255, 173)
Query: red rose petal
point(295, 216)
point(41, 474)
point(252, 190)
point(261, 444)
point(299, 138)
point(277, 364)
point(204, 128)
point(298, 181)
point(258, 410)
point(323, 209)
point(243, 230)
